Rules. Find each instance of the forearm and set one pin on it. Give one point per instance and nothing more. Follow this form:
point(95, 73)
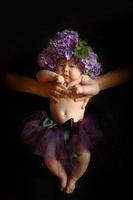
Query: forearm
point(46, 76)
point(114, 78)
point(23, 84)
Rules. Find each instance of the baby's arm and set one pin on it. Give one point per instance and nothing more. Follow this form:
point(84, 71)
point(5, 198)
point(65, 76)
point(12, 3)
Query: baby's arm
point(85, 79)
point(80, 85)
point(48, 76)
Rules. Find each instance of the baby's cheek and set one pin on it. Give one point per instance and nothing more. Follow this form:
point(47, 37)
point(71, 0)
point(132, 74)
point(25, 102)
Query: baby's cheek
point(57, 70)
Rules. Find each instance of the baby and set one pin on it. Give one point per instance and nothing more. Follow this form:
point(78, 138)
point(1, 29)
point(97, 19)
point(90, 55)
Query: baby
point(67, 71)
point(65, 138)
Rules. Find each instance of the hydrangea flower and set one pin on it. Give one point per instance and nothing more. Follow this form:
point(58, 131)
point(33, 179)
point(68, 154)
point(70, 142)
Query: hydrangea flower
point(67, 44)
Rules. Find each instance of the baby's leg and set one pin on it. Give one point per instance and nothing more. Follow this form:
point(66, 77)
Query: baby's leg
point(57, 169)
point(82, 162)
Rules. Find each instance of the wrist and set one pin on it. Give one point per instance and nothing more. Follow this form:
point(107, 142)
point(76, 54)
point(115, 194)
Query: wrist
point(98, 85)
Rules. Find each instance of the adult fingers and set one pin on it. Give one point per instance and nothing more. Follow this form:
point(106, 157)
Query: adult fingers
point(54, 93)
point(81, 98)
point(53, 98)
point(85, 102)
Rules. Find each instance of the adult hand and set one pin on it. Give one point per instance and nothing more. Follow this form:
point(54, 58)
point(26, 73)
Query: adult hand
point(57, 91)
point(50, 90)
point(90, 89)
point(84, 92)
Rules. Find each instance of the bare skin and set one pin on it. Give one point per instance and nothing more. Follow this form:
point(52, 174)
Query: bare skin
point(25, 84)
point(82, 161)
point(93, 87)
point(49, 90)
point(108, 80)
point(56, 168)
point(82, 85)
point(66, 108)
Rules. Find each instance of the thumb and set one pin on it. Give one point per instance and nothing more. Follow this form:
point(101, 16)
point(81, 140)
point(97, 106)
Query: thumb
point(86, 101)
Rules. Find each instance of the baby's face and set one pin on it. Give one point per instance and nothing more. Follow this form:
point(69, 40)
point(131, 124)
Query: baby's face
point(69, 69)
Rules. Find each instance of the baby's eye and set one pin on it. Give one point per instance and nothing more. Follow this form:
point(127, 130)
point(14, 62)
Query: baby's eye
point(72, 66)
point(61, 65)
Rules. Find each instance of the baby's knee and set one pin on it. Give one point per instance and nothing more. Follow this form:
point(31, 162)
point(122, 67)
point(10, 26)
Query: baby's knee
point(49, 161)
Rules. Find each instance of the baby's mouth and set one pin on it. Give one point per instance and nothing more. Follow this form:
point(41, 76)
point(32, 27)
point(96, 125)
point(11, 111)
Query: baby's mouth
point(66, 76)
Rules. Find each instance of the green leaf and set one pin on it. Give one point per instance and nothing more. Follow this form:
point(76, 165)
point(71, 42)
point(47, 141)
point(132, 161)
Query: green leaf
point(87, 71)
point(82, 49)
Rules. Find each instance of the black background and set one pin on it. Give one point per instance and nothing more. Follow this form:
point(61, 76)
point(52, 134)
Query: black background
point(110, 22)
point(23, 26)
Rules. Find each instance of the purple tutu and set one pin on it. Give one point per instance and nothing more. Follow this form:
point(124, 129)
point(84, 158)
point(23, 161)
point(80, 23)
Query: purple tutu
point(49, 139)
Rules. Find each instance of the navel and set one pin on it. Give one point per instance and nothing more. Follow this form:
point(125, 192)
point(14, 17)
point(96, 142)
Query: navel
point(65, 114)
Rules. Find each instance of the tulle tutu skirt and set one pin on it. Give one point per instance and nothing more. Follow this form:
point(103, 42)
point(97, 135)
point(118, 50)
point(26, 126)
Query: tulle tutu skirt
point(49, 139)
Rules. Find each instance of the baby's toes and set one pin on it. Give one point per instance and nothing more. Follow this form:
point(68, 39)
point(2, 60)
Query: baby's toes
point(70, 187)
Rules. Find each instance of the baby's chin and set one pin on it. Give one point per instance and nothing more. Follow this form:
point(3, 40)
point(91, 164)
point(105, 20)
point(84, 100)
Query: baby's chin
point(67, 80)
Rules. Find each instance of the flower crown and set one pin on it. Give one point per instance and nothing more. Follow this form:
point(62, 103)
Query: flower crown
point(67, 44)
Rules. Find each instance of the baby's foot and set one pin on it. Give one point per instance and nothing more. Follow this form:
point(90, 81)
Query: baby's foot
point(59, 79)
point(70, 186)
point(63, 183)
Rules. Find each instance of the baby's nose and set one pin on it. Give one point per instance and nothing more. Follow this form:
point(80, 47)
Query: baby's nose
point(66, 68)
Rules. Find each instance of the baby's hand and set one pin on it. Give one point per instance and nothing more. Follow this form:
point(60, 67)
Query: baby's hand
point(59, 79)
point(77, 89)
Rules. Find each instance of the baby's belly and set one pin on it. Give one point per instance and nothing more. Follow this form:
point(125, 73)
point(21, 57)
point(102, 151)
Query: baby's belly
point(66, 109)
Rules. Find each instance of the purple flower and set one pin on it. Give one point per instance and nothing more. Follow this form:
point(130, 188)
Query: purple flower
point(63, 46)
point(68, 54)
point(47, 58)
